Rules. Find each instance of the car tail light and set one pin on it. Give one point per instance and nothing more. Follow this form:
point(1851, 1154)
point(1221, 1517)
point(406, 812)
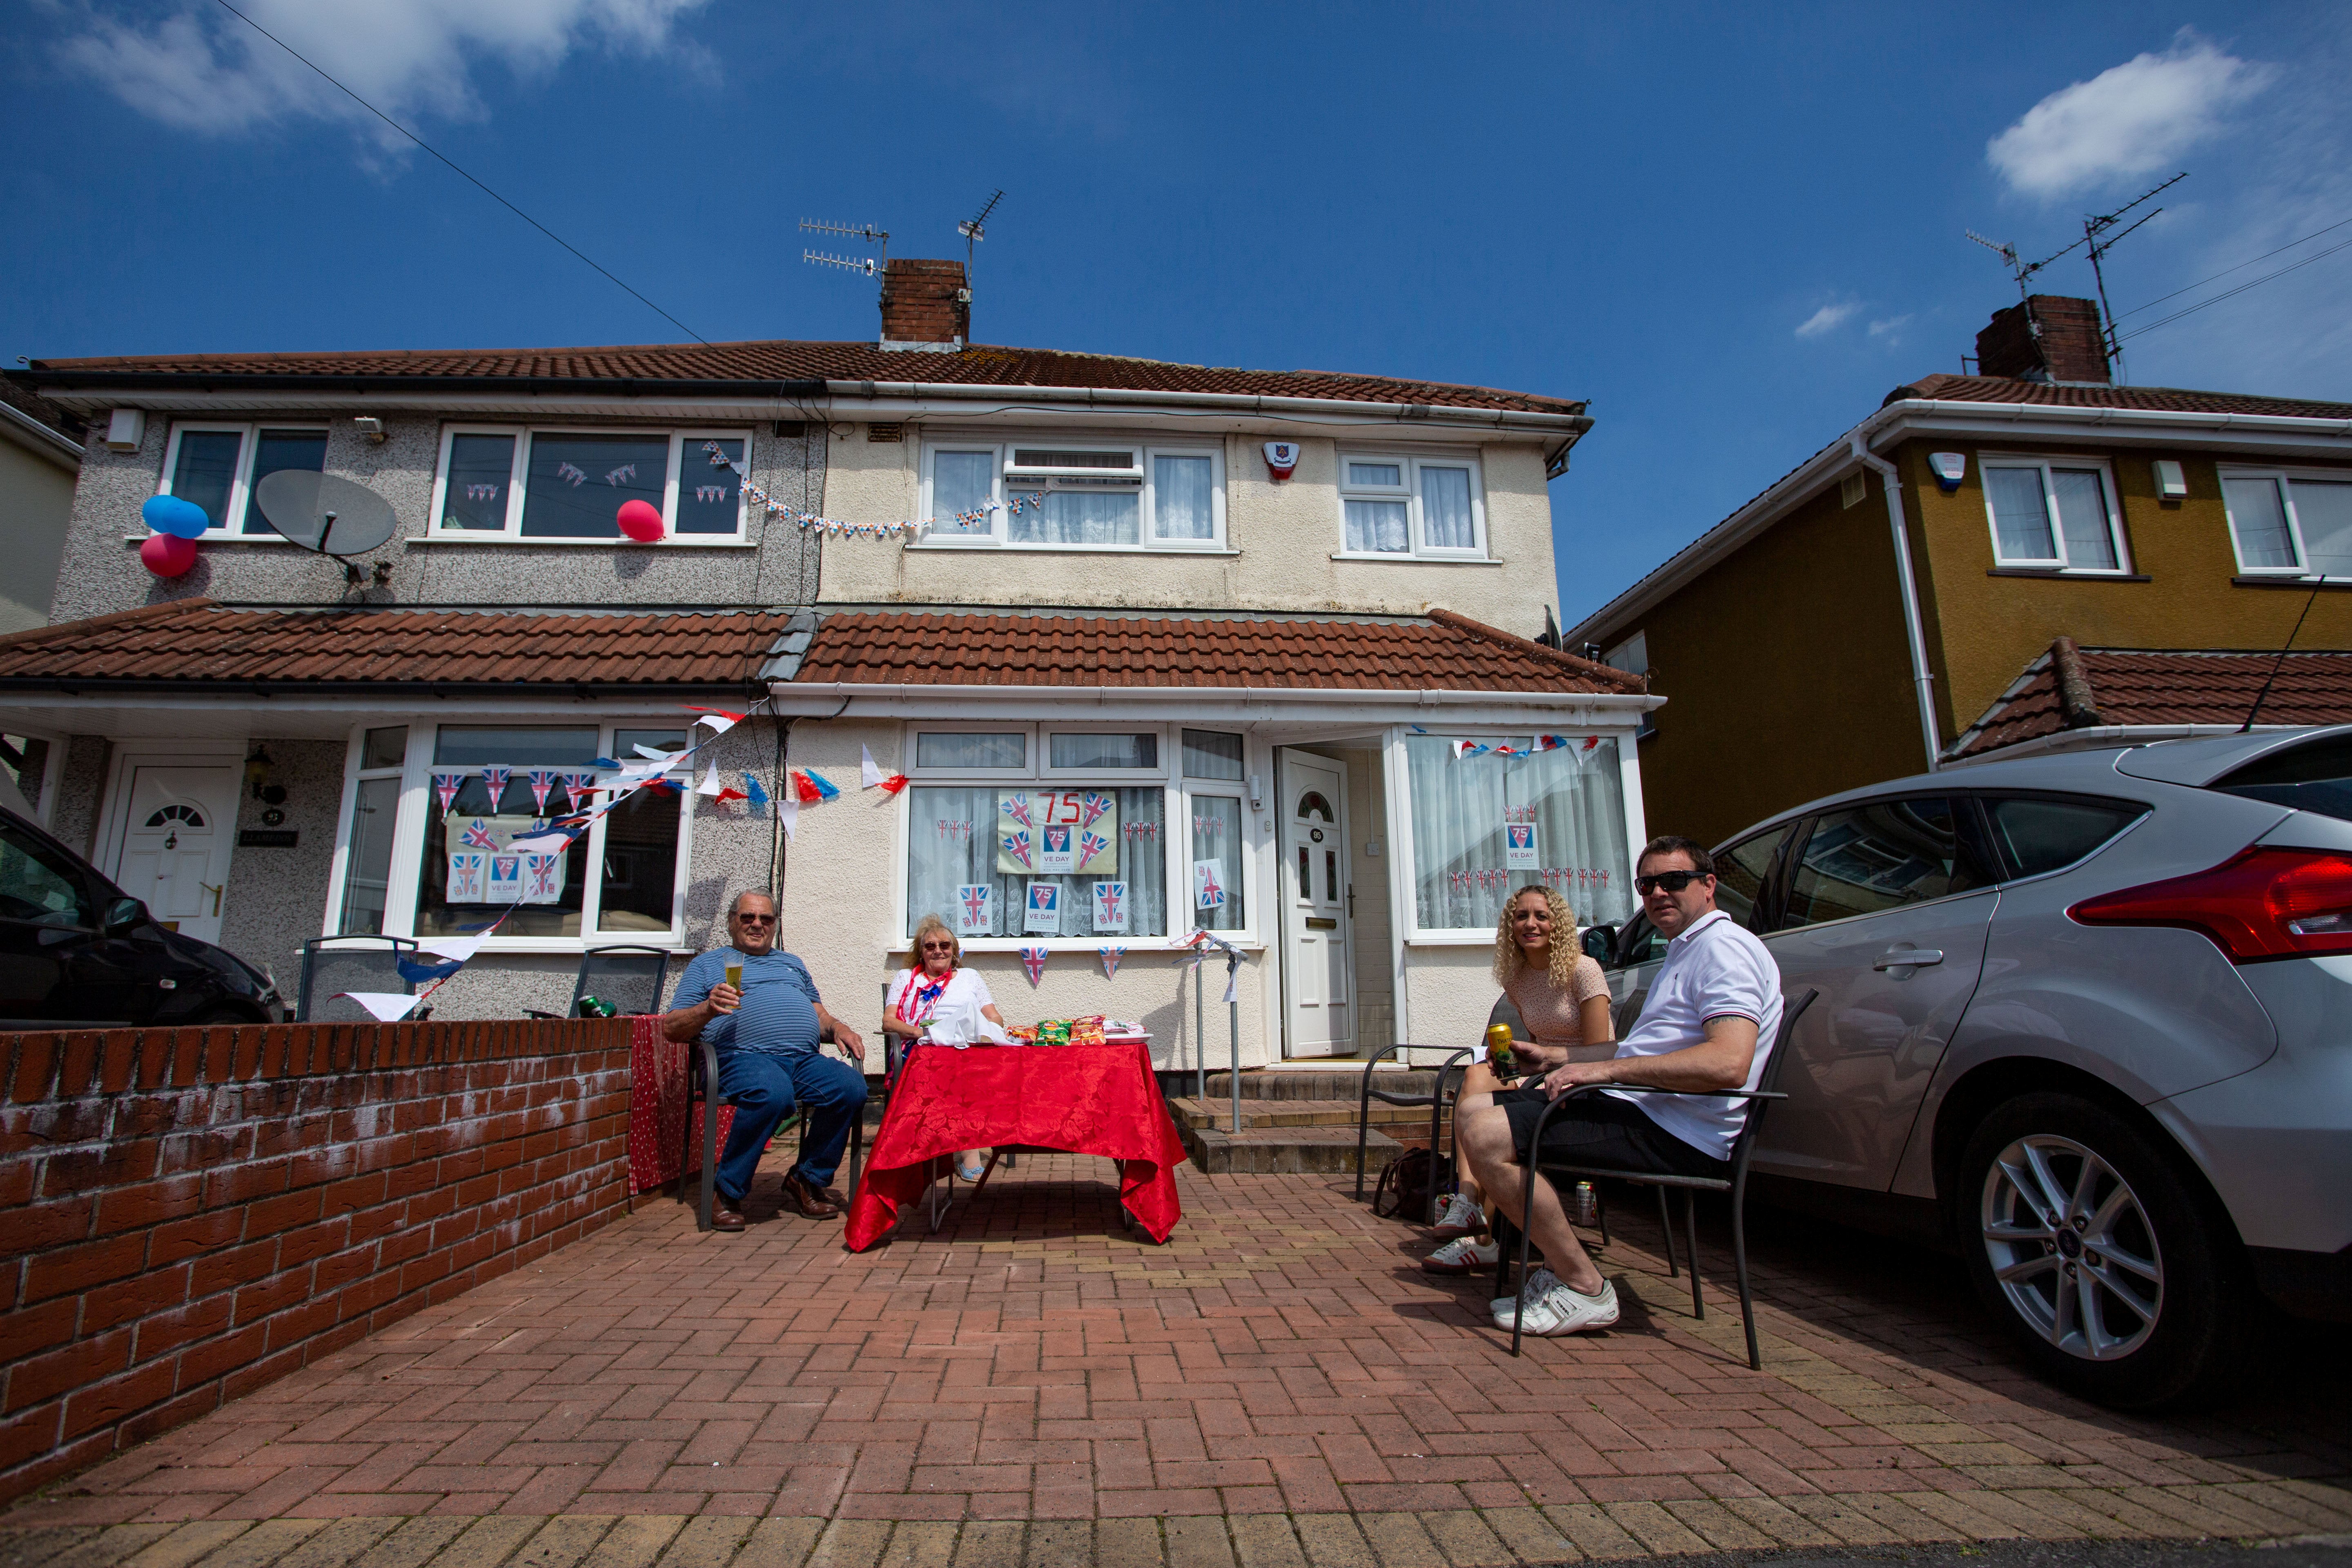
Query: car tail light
point(2259, 903)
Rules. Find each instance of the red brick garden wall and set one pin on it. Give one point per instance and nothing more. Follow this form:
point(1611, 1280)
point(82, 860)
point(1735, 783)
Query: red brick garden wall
point(187, 1214)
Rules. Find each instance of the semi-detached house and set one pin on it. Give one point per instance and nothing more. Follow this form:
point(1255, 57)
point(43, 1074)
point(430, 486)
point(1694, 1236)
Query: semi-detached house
point(1233, 628)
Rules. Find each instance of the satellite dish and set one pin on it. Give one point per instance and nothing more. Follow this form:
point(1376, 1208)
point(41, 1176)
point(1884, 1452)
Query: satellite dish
point(319, 511)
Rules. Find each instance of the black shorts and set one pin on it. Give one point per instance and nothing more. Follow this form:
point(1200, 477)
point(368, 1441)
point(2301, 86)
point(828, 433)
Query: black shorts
point(1605, 1132)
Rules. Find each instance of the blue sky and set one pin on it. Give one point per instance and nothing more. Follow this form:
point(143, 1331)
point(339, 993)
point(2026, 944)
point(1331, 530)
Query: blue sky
point(1732, 228)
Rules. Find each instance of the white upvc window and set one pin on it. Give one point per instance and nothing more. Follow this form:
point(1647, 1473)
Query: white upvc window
point(1400, 506)
point(216, 465)
point(1064, 494)
point(413, 861)
point(2290, 523)
point(509, 483)
point(2057, 514)
point(1072, 835)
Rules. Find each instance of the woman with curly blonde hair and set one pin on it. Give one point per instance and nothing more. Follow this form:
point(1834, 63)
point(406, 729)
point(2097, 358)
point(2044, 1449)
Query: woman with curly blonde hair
point(1563, 1001)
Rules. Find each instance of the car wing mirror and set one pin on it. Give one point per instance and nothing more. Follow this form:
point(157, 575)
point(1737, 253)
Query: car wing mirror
point(125, 915)
point(1600, 943)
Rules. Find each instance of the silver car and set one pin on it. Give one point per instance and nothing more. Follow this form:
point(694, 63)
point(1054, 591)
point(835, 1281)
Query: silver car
point(2088, 1017)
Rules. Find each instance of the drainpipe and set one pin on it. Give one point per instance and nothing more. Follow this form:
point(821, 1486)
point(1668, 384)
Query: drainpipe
point(1921, 681)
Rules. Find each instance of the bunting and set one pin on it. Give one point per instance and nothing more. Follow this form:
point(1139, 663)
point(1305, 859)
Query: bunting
point(834, 527)
point(871, 776)
point(1110, 957)
point(1033, 958)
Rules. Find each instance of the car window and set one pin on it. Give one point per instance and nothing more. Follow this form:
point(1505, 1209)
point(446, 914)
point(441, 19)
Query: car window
point(1741, 870)
point(2034, 833)
point(1883, 856)
point(39, 886)
point(2313, 777)
point(1638, 943)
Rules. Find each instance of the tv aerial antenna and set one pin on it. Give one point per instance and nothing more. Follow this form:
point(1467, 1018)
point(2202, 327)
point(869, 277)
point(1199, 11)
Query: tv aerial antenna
point(974, 230)
point(868, 265)
point(2099, 236)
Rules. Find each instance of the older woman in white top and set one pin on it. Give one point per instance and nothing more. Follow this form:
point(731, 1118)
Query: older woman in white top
point(1564, 999)
point(936, 981)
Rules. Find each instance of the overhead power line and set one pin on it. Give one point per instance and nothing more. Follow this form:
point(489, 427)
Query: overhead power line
point(2233, 293)
point(2240, 267)
point(453, 168)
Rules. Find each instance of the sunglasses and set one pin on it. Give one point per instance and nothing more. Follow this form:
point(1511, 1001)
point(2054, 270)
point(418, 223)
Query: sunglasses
point(756, 919)
point(939, 947)
point(1672, 881)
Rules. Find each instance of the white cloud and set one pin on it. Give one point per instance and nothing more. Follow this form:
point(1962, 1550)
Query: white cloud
point(2131, 120)
point(1827, 319)
point(1890, 328)
point(201, 69)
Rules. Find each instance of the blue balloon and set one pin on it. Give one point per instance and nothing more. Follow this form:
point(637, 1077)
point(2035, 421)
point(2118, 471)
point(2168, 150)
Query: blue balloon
point(170, 514)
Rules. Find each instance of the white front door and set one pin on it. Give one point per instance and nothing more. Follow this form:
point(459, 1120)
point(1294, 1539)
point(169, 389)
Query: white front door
point(1315, 979)
point(180, 825)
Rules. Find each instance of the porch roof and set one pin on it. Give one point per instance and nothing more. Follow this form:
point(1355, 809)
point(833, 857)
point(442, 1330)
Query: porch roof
point(1437, 651)
point(198, 643)
point(2067, 687)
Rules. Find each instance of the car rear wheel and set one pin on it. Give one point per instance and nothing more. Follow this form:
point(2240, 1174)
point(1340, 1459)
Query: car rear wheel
point(2100, 1253)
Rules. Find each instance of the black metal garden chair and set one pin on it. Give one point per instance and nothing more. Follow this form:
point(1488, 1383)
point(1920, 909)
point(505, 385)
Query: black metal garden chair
point(334, 964)
point(1438, 1098)
point(629, 976)
point(1760, 1102)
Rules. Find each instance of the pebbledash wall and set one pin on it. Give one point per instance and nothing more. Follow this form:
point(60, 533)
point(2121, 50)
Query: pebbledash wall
point(187, 1214)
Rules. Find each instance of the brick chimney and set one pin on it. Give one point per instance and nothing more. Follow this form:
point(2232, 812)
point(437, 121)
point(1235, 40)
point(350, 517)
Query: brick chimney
point(924, 305)
point(2048, 338)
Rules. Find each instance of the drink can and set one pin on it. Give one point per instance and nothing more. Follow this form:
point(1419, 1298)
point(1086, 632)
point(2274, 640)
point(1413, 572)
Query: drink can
point(1498, 1047)
point(1588, 1204)
point(596, 1007)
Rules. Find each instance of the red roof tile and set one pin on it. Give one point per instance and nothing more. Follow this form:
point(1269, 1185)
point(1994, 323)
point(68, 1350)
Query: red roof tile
point(2153, 399)
point(2166, 685)
point(1440, 652)
point(194, 641)
point(769, 361)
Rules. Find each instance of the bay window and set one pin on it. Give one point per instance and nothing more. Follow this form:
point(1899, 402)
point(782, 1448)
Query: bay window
point(1396, 505)
point(1066, 494)
point(2290, 525)
point(216, 467)
point(504, 483)
point(1486, 824)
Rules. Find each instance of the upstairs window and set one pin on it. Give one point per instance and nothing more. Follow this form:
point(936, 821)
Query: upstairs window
point(1071, 494)
point(216, 467)
point(2290, 525)
point(1393, 506)
point(2052, 515)
point(501, 483)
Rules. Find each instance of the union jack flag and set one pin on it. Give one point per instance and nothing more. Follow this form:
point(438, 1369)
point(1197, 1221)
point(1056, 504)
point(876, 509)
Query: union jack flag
point(975, 904)
point(495, 781)
point(1016, 807)
point(542, 782)
point(1212, 892)
point(540, 869)
point(465, 878)
point(1092, 845)
point(1017, 845)
point(478, 835)
point(446, 786)
point(1107, 902)
point(1094, 806)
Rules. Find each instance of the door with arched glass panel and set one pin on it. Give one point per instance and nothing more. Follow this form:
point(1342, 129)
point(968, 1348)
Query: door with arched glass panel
point(1319, 1019)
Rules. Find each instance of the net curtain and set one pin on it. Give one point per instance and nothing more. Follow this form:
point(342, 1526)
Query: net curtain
point(940, 860)
point(1459, 808)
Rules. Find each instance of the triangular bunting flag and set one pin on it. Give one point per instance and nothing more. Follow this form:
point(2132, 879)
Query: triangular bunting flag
point(711, 786)
point(1033, 958)
point(718, 719)
point(383, 1007)
point(446, 786)
point(825, 788)
point(788, 812)
point(805, 788)
point(759, 793)
point(1110, 957)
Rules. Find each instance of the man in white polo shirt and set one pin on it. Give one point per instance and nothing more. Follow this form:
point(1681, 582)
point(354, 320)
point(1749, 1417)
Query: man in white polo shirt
point(1715, 997)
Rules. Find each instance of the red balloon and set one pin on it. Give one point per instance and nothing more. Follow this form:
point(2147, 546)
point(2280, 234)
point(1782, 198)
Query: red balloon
point(167, 554)
point(641, 520)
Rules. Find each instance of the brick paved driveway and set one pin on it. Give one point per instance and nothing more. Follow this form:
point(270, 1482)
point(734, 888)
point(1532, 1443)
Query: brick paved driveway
point(1280, 1387)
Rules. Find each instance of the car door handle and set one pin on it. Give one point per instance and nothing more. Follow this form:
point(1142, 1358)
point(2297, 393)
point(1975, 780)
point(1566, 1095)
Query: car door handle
point(1908, 958)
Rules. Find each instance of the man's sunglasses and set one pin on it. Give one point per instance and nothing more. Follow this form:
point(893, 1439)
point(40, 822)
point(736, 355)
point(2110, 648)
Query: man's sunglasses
point(1672, 881)
point(757, 920)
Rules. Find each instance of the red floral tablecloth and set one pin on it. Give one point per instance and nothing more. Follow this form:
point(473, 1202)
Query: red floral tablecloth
point(657, 1108)
point(1087, 1099)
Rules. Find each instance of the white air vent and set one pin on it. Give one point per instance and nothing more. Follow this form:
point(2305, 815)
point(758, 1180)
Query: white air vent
point(1068, 468)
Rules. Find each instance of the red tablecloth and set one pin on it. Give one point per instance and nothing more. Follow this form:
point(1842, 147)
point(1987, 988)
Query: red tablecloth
point(657, 1108)
point(1087, 1099)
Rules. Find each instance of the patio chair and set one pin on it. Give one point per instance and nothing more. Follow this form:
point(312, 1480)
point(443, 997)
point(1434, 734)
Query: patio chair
point(1760, 1102)
point(1503, 1012)
point(701, 1083)
point(628, 975)
point(332, 964)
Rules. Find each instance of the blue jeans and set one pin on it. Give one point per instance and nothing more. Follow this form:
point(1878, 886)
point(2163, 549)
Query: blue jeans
point(763, 1090)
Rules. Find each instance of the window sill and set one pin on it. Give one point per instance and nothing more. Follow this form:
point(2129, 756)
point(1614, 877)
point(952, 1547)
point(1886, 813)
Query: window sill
point(669, 543)
point(2283, 581)
point(1136, 945)
point(572, 946)
point(1394, 557)
point(2067, 573)
point(217, 539)
point(955, 546)
point(1451, 939)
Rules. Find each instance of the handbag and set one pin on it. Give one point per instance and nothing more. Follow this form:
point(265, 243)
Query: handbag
point(1404, 1184)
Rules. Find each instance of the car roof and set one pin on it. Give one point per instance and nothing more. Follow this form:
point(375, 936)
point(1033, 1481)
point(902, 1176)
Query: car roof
point(2195, 762)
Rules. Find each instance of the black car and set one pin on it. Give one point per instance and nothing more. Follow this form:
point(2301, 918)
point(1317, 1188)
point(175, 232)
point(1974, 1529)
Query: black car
point(76, 951)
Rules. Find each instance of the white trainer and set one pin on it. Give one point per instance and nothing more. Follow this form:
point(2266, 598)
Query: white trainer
point(1457, 1216)
point(1463, 1255)
point(1553, 1309)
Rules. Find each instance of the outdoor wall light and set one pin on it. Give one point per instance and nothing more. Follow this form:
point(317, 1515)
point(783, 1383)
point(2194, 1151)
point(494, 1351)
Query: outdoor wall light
point(257, 770)
point(371, 427)
point(1949, 468)
point(2171, 484)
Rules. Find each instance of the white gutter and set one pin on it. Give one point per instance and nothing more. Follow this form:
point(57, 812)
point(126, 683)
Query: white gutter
point(60, 448)
point(2005, 421)
point(826, 699)
point(910, 397)
point(1922, 682)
